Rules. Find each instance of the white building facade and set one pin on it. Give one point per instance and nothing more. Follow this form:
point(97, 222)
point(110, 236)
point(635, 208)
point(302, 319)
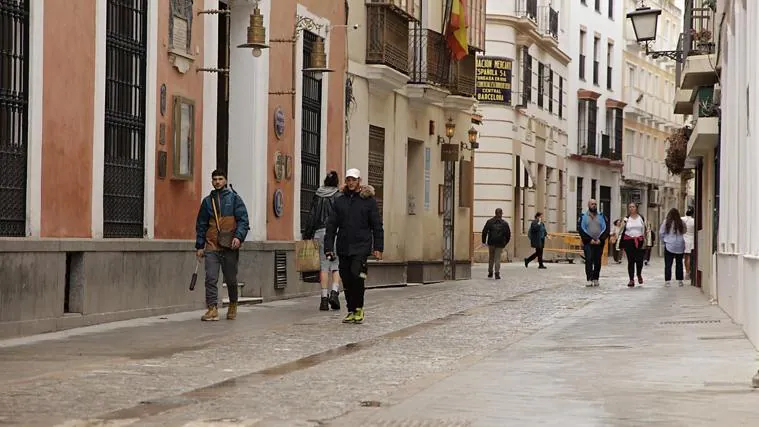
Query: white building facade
point(596, 107)
point(520, 166)
point(649, 87)
point(737, 248)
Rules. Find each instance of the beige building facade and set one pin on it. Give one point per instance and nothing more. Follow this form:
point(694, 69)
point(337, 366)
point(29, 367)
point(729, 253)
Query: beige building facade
point(520, 165)
point(398, 102)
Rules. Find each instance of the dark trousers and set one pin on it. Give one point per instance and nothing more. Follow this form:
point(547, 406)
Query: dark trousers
point(635, 258)
point(351, 268)
point(227, 261)
point(593, 254)
point(538, 254)
point(678, 259)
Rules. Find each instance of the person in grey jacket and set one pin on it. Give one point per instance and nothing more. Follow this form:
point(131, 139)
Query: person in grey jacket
point(671, 234)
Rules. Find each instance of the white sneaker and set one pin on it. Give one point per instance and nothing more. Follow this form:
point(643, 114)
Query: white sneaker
point(667, 284)
point(595, 283)
point(680, 283)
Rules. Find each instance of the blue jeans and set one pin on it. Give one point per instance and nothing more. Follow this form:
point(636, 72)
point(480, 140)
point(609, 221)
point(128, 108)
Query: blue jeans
point(593, 254)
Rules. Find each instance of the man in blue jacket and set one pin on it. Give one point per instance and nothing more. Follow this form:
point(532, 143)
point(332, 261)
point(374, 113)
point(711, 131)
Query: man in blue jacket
point(594, 230)
point(220, 229)
point(356, 222)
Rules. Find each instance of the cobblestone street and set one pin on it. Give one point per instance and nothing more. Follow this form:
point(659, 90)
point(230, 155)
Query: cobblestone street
point(536, 348)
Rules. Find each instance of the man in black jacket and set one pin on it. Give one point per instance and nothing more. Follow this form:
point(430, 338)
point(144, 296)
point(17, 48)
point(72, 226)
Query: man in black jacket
point(356, 222)
point(594, 230)
point(496, 234)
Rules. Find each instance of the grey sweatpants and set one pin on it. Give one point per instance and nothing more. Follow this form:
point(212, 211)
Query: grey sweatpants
point(227, 261)
point(494, 259)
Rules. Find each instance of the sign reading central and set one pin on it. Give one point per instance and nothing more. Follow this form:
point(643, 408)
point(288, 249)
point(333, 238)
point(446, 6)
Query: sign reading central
point(494, 80)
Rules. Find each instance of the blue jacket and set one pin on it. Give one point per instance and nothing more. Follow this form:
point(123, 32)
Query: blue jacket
point(582, 228)
point(233, 216)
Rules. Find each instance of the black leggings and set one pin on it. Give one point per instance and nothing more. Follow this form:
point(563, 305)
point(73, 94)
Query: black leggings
point(635, 258)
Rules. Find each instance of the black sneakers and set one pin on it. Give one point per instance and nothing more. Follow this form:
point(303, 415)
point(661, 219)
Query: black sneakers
point(334, 301)
point(324, 306)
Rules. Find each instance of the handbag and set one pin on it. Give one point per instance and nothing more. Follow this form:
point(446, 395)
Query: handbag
point(223, 238)
point(307, 256)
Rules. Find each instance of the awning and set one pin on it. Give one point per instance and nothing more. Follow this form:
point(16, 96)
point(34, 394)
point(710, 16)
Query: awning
point(527, 178)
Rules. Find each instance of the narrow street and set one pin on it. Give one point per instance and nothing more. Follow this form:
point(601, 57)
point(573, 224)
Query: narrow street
point(536, 348)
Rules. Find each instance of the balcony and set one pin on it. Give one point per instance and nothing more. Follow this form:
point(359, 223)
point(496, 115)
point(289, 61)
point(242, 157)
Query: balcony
point(643, 170)
point(430, 65)
point(548, 22)
point(462, 81)
point(387, 44)
point(528, 9)
point(699, 41)
point(705, 134)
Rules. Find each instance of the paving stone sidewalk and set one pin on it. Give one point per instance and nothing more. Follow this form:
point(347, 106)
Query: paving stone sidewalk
point(531, 349)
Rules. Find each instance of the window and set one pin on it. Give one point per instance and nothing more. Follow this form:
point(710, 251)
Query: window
point(596, 59)
point(527, 80)
point(582, 127)
point(611, 9)
point(598, 5)
point(582, 55)
point(561, 97)
point(579, 198)
point(593, 185)
point(376, 165)
point(550, 91)
point(541, 83)
point(609, 62)
point(592, 125)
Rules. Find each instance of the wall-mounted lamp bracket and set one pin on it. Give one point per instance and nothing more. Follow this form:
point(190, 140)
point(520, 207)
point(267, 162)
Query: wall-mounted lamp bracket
point(213, 70)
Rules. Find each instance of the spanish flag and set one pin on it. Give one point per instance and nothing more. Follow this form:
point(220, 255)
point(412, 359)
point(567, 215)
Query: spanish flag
point(457, 30)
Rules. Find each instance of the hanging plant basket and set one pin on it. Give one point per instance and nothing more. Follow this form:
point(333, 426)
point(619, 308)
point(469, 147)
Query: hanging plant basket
point(677, 151)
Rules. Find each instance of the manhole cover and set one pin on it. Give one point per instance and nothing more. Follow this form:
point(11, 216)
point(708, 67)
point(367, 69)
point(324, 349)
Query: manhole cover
point(689, 322)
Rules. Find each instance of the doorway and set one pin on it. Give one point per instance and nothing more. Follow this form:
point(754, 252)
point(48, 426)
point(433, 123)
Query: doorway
point(605, 202)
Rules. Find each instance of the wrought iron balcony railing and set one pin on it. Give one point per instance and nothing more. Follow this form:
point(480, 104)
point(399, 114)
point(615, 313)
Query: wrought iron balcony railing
point(605, 146)
point(387, 41)
point(430, 58)
point(548, 22)
point(527, 9)
point(462, 81)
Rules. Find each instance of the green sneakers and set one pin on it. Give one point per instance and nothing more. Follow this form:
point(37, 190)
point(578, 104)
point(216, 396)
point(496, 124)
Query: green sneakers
point(355, 317)
point(359, 316)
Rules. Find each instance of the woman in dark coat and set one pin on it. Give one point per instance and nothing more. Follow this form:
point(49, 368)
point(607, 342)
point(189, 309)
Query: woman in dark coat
point(537, 235)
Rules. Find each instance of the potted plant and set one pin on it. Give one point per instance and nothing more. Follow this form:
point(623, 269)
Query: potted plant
point(711, 4)
point(677, 150)
point(703, 39)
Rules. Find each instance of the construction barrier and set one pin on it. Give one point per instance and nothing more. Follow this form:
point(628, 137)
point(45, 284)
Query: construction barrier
point(567, 247)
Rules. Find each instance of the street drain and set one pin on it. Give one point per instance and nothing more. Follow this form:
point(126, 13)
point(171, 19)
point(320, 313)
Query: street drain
point(590, 348)
point(688, 322)
point(726, 337)
point(370, 404)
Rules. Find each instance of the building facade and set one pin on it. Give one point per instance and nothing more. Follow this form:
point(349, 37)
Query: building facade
point(737, 245)
point(105, 160)
point(521, 163)
point(596, 108)
point(398, 102)
point(697, 98)
point(649, 87)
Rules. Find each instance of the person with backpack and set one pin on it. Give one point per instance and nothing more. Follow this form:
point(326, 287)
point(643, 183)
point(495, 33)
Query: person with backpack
point(322, 206)
point(496, 234)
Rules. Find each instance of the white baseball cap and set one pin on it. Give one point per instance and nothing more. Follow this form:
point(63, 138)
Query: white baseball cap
point(353, 173)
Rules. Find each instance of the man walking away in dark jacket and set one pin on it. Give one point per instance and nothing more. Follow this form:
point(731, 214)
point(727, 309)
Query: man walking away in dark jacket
point(537, 236)
point(594, 230)
point(496, 234)
point(322, 207)
point(357, 224)
point(220, 229)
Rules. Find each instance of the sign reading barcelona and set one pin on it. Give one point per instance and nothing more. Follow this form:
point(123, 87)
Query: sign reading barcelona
point(494, 80)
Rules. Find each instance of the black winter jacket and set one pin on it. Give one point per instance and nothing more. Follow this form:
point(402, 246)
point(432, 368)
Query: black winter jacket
point(496, 232)
point(322, 207)
point(356, 223)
